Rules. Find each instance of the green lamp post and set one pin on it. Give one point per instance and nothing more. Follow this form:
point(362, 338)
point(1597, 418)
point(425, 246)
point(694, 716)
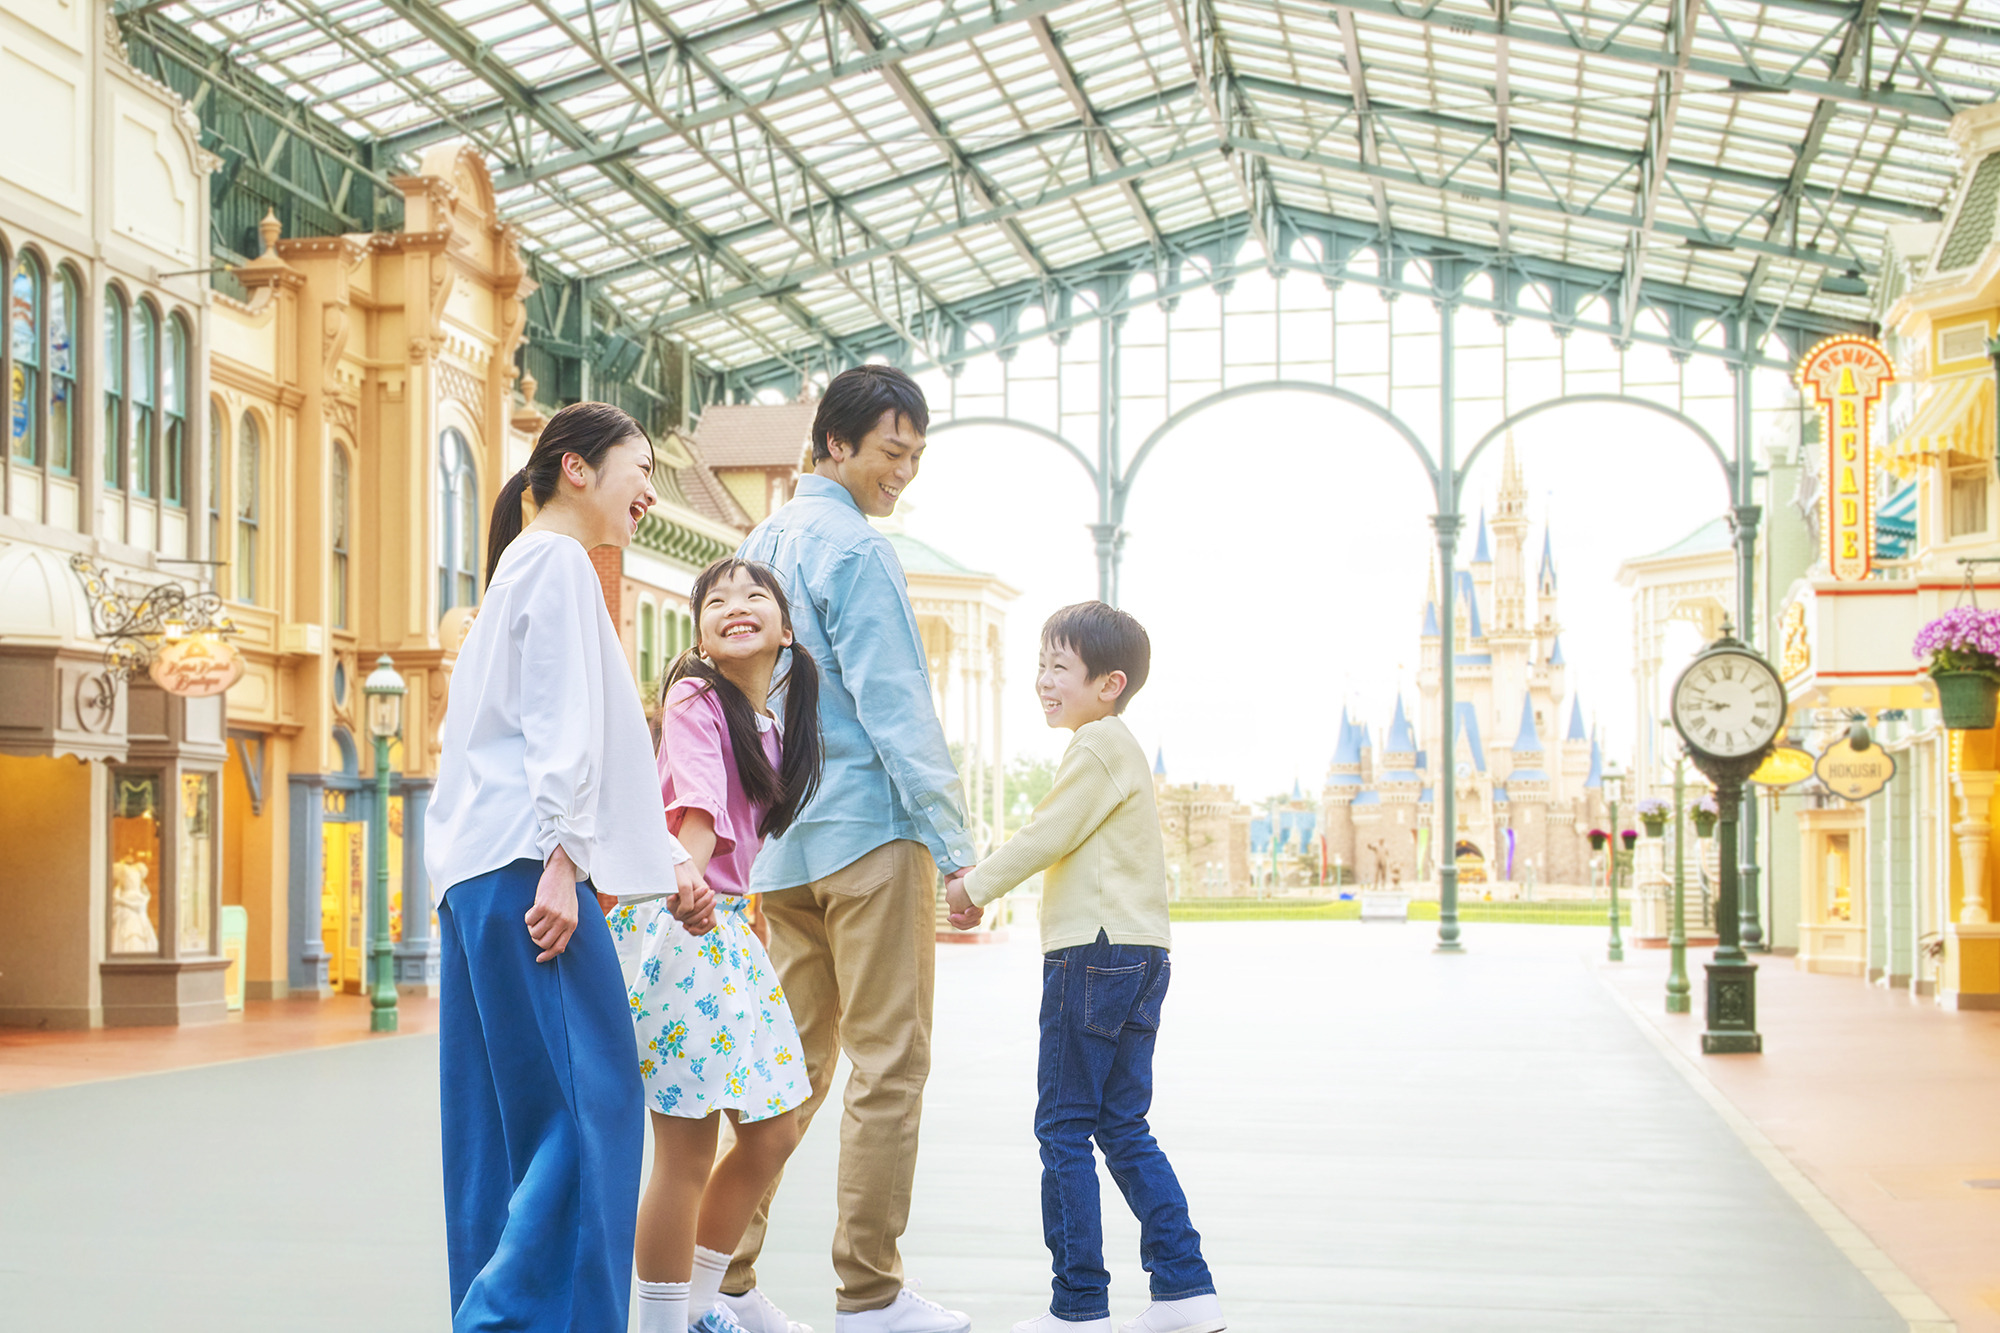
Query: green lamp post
point(384, 689)
point(1678, 989)
point(1614, 787)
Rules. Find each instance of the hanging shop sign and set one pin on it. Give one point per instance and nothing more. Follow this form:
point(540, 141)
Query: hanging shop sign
point(1852, 774)
point(197, 665)
point(1784, 766)
point(1846, 377)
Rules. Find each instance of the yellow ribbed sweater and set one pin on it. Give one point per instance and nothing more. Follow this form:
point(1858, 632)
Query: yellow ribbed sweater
point(1097, 837)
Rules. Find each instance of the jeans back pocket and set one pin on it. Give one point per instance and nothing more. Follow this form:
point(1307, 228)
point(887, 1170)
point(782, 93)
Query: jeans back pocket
point(1110, 994)
point(1146, 1014)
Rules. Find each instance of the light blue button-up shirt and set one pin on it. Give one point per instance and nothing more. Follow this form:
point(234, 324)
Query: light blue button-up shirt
point(888, 773)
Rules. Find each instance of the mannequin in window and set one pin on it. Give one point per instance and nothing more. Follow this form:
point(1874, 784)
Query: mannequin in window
point(131, 930)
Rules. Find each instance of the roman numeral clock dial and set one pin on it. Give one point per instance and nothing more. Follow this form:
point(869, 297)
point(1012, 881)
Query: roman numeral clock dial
point(1729, 703)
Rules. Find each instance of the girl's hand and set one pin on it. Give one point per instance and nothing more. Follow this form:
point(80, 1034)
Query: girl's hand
point(552, 920)
point(693, 903)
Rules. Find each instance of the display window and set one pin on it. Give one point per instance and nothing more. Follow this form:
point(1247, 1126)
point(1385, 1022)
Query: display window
point(138, 841)
point(195, 879)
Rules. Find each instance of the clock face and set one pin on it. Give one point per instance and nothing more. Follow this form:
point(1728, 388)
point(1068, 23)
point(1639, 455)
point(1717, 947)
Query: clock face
point(1729, 704)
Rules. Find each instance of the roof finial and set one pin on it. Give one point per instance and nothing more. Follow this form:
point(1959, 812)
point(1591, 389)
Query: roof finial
point(270, 229)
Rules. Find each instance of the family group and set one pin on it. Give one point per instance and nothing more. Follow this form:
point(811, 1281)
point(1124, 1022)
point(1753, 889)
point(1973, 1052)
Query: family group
point(602, 969)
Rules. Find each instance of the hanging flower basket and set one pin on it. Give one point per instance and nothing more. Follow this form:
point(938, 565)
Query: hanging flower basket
point(1598, 837)
point(1629, 837)
point(1963, 646)
point(1653, 814)
point(1705, 816)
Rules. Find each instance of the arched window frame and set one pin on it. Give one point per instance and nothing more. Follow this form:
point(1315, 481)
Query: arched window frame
point(64, 357)
point(248, 507)
point(218, 429)
point(648, 654)
point(117, 315)
point(27, 335)
point(458, 521)
point(143, 379)
point(340, 516)
point(173, 412)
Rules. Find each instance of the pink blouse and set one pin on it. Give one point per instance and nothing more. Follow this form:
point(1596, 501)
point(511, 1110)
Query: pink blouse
point(698, 772)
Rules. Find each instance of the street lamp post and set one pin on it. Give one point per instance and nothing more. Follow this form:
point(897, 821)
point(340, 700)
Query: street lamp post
point(1678, 989)
point(1614, 787)
point(384, 689)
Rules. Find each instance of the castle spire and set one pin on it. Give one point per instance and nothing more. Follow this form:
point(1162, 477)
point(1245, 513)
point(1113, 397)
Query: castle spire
point(1481, 554)
point(1546, 579)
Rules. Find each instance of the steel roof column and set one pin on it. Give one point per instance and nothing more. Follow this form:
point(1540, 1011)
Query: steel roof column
point(1744, 515)
point(1446, 522)
point(1109, 529)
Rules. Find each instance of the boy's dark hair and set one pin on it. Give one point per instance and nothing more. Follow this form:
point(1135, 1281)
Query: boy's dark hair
point(1107, 640)
point(856, 400)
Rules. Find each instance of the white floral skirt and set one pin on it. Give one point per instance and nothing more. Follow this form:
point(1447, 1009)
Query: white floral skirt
point(714, 1031)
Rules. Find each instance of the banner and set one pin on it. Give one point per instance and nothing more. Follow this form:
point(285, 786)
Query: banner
point(1847, 376)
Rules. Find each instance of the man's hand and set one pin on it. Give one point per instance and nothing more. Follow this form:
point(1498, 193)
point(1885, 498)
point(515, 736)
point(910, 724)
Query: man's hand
point(964, 914)
point(552, 920)
point(693, 903)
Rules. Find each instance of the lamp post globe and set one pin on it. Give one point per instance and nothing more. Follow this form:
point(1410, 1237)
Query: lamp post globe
point(384, 690)
point(1614, 790)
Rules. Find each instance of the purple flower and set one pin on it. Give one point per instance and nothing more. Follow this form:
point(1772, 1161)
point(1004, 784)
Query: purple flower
point(1964, 638)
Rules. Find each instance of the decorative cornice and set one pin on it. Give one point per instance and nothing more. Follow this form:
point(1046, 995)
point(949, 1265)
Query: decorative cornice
point(678, 542)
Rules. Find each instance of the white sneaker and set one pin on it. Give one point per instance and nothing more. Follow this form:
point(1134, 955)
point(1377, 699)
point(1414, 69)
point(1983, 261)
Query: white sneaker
point(756, 1312)
point(908, 1313)
point(1050, 1323)
point(1190, 1314)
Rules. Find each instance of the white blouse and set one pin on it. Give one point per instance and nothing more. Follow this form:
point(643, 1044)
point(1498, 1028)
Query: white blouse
point(544, 740)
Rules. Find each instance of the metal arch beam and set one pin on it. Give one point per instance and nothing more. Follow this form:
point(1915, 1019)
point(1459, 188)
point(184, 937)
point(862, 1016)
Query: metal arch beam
point(1747, 78)
point(957, 423)
point(1722, 459)
point(458, 43)
point(1368, 405)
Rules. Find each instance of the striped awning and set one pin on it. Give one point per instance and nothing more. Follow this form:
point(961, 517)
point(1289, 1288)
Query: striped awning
point(1896, 524)
point(1955, 416)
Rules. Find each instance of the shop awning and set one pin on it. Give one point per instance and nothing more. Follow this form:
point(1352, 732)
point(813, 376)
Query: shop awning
point(1896, 524)
point(1956, 417)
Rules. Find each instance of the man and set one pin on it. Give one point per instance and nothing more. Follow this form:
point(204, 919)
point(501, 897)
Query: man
point(849, 889)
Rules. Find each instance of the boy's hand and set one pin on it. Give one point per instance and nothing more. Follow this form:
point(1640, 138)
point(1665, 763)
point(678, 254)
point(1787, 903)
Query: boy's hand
point(964, 914)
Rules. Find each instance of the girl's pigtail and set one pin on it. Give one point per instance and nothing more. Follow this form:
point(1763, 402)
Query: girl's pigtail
point(798, 777)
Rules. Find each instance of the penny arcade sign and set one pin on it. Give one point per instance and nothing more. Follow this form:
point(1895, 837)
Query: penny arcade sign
point(1846, 377)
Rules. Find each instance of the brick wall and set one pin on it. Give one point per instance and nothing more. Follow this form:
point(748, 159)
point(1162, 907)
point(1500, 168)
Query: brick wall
point(609, 561)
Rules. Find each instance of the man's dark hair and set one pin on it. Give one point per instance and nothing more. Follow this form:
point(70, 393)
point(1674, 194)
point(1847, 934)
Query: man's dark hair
point(1107, 640)
point(856, 400)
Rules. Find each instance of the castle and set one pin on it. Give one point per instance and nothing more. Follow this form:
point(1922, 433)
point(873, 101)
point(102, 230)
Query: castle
point(1526, 801)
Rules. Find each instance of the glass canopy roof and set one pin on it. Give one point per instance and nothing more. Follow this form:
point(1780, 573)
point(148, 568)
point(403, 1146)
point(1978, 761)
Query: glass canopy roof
point(773, 180)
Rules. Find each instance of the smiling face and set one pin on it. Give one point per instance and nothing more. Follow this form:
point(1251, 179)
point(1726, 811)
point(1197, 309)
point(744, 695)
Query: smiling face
point(876, 468)
point(616, 493)
point(1070, 698)
point(742, 627)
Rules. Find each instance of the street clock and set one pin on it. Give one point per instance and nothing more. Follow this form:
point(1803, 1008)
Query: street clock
point(1729, 706)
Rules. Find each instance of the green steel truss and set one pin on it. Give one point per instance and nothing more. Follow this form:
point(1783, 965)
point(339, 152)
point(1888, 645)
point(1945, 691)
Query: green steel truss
point(787, 187)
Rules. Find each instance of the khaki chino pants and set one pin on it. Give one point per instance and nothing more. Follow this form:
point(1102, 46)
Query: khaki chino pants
point(857, 955)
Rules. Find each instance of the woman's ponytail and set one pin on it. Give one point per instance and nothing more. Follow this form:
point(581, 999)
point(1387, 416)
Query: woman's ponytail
point(588, 430)
point(505, 524)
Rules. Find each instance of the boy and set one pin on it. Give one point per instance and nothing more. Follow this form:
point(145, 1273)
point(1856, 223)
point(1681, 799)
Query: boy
point(1104, 934)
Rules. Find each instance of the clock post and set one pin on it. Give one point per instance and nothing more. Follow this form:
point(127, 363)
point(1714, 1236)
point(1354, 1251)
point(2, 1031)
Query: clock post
point(1729, 707)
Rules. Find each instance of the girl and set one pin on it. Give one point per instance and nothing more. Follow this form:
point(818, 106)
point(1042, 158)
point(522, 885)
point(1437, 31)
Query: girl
point(544, 783)
point(714, 1032)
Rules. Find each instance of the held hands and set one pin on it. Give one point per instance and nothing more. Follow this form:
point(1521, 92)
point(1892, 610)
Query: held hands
point(964, 914)
point(693, 903)
point(552, 920)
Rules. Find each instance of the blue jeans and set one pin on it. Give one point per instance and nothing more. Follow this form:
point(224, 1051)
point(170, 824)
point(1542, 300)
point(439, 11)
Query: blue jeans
point(1100, 1019)
point(544, 1117)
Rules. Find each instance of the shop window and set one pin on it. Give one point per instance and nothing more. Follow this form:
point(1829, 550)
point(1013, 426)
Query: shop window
point(24, 360)
point(143, 370)
point(458, 523)
point(249, 444)
point(647, 628)
point(1965, 503)
point(138, 844)
point(173, 413)
point(215, 446)
point(194, 873)
point(114, 388)
point(338, 519)
point(63, 321)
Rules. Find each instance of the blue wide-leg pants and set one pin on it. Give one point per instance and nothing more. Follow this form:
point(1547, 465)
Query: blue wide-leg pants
point(544, 1115)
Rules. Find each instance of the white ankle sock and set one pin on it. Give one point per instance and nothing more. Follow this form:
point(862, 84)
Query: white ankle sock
point(663, 1307)
point(706, 1285)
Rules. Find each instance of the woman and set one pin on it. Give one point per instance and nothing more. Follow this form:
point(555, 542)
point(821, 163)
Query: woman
point(545, 781)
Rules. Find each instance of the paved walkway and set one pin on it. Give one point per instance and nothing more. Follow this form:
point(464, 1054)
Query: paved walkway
point(1373, 1138)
